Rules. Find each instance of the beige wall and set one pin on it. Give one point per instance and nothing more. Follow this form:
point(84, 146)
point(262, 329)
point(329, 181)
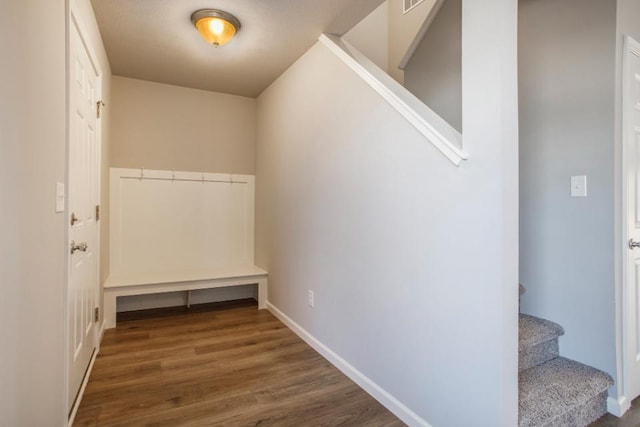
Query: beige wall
point(371, 36)
point(159, 126)
point(32, 253)
point(402, 30)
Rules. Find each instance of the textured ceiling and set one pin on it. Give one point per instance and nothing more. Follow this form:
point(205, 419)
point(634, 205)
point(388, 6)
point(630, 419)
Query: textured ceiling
point(155, 40)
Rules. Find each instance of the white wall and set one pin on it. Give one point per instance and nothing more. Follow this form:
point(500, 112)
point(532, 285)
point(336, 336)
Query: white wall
point(32, 159)
point(371, 36)
point(413, 261)
point(159, 126)
point(567, 63)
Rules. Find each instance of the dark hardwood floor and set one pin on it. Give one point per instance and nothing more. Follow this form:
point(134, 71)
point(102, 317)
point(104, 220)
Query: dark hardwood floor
point(219, 365)
point(630, 419)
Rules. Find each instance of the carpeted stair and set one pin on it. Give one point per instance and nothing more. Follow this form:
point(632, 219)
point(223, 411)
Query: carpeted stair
point(538, 341)
point(555, 391)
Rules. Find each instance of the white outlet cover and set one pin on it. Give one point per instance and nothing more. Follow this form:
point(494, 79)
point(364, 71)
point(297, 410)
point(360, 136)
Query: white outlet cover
point(310, 300)
point(579, 186)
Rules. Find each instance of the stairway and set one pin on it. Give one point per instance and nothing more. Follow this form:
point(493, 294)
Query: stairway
point(555, 391)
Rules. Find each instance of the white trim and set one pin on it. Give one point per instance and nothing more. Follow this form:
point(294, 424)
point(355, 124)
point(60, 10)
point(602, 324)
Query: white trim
point(119, 175)
point(421, 33)
point(440, 133)
point(101, 331)
point(85, 381)
point(619, 406)
point(368, 385)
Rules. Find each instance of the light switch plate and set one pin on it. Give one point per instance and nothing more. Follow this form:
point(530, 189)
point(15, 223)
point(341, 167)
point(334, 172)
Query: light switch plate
point(579, 186)
point(60, 197)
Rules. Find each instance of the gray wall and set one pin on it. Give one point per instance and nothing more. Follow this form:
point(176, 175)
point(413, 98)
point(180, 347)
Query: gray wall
point(629, 18)
point(32, 258)
point(413, 261)
point(434, 73)
point(566, 67)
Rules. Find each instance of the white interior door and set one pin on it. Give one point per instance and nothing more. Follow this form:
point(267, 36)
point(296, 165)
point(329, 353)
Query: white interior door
point(631, 129)
point(83, 196)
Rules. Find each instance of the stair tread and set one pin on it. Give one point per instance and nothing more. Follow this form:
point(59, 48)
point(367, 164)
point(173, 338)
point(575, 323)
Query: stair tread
point(534, 330)
point(549, 390)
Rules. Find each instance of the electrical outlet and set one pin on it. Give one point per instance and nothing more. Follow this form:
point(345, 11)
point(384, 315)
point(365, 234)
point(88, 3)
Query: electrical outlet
point(310, 301)
point(59, 197)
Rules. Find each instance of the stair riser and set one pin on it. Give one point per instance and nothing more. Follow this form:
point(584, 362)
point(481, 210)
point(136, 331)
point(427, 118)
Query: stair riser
point(582, 415)
point(538, 354)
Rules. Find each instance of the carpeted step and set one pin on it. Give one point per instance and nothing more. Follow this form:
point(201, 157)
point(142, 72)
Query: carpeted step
point(538, 341)
point(562, 393)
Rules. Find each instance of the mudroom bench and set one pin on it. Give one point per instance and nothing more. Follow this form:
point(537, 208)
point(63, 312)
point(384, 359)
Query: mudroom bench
point(145, 284)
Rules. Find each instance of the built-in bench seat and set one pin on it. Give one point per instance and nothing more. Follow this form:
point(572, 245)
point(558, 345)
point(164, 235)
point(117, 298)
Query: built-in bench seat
point(127, 284)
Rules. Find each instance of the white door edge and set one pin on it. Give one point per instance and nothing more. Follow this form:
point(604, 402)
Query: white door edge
point(630, 47)
point(74, 19)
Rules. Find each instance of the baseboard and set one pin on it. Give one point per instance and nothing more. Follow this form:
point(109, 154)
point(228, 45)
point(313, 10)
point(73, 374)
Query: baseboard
point(618, 406)
point(377, 392)
point(76, 404)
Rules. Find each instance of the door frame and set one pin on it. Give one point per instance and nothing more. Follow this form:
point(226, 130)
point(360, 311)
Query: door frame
point(74, 19)
point(624, 300)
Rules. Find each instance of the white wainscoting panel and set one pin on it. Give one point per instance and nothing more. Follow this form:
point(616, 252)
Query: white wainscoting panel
point(180, 222)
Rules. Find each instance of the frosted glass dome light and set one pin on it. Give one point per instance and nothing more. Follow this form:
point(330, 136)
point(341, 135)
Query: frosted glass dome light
point(215, 26)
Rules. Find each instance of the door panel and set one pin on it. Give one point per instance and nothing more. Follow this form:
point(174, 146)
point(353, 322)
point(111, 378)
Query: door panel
point(631, 125)
point(83, 196)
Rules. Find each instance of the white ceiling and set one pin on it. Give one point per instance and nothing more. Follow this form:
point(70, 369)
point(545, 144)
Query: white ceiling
point(155, 40)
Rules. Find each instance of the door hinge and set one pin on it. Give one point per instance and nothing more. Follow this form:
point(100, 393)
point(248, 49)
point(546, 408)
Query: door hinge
point(97, 314)
point(100, 105)
point(97, 212)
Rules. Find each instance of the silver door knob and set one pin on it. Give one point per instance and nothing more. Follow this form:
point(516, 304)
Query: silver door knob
point(82, 247)
point(633, 244)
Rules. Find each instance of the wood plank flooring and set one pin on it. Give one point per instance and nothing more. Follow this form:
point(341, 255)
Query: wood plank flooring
point(630, 419)
point(219, 365)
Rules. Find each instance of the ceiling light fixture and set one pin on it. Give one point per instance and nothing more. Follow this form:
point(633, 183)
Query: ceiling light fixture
point(215, 26)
